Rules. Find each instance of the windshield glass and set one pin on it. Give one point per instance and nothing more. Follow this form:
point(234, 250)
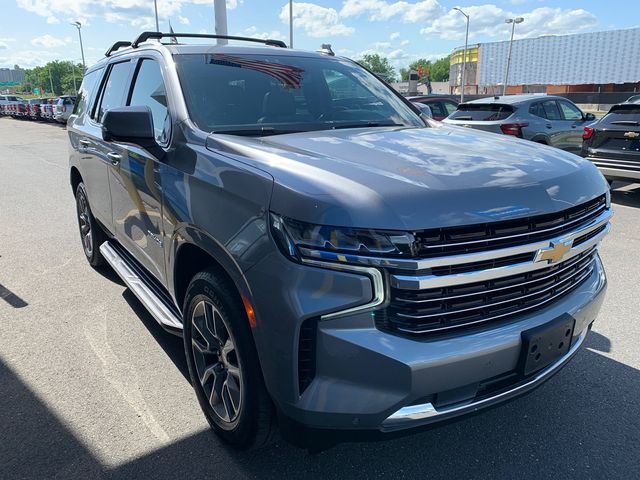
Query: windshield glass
point(268, 94)
point(622, 114)
point(481, 111)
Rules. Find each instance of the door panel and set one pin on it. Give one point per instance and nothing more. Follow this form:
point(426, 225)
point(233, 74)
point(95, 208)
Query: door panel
point(573, 120)
point(136, 190)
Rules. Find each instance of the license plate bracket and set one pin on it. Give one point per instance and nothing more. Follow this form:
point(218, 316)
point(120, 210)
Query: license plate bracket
point(545, 344)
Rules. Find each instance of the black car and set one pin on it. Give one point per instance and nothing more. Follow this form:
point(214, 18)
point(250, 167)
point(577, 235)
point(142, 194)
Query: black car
point(613, 143)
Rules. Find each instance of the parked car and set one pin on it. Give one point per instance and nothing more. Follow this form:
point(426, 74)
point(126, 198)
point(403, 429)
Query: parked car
point(330, 255)
point(424, 109)
point(546, 119)
point(63, 108)
point(48, 109)
point(34, 108)
point(633, 99)
point(6, 103)
point(441, 107)
point(613, 143)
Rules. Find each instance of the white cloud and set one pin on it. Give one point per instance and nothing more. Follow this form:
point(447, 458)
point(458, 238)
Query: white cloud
point(489, 19)
point(316, 21)
point(48, 41)
point(28, 58)
point(394, 36)
point(254, 32)
point(397, 54)
point(183, 20)
point(405, 42)
point(382, 45)
point(52, 19)
point(3, 46)
point(379, 10)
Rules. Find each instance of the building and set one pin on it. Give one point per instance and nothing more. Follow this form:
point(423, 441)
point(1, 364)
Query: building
point(10, 76)
point(555, 64)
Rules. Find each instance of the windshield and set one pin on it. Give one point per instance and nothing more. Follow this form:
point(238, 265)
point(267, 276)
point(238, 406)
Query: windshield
point(625, 114)
point(481, 111)
point(269, 94)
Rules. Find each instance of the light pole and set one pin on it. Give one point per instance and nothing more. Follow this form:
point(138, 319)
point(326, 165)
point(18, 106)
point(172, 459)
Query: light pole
point(78, 25)
point(155, 9)
point(464, 57)
point(513, 22)
point(290, 23)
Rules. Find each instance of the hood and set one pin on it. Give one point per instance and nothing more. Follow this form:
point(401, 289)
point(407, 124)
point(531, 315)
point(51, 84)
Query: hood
point(413, 178)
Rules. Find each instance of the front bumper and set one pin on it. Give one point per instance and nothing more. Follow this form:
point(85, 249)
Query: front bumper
point(368, 379)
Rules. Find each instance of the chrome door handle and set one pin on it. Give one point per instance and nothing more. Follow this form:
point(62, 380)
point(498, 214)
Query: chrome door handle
point(114, 158)
point(84, 143)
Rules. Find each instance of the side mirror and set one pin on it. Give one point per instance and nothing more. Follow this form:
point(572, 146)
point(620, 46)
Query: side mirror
point(424, 109)
point(130, 125)
point(589, 117)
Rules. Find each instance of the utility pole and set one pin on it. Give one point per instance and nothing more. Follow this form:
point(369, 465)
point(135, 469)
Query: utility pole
point(220, 10)
point(513, 22)
point(155, 8)
point(73, 74)
point(290, 23)
point(464, 58)
point(51, 83)
point(78, 25)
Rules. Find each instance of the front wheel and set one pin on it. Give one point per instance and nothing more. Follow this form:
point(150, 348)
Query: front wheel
point(91, 234)
point(223, 363)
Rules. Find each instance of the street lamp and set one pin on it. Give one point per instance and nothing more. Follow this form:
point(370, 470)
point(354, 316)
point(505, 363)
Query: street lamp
point(464, 57)
point(78, 25)
point(513, 22)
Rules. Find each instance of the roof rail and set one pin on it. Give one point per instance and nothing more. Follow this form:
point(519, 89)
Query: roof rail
point(144, 36)
point(116, 46)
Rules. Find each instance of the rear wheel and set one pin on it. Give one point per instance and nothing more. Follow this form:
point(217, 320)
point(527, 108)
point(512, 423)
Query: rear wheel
point(223, 363)
point(91, 234)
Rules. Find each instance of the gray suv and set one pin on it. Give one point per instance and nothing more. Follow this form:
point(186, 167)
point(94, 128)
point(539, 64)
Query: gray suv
point(545, 119)
point(330, 258)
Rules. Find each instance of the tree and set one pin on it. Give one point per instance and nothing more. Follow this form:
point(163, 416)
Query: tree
point(379, 65)
point(440, 70)
point(59, 73)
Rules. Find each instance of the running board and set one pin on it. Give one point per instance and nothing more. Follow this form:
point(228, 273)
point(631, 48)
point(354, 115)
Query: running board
point(153, 303)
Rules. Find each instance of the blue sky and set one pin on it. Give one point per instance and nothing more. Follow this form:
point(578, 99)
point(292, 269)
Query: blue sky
point(36, 31)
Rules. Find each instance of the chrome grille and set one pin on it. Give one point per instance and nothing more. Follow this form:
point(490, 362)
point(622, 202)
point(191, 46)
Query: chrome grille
point(437, 309)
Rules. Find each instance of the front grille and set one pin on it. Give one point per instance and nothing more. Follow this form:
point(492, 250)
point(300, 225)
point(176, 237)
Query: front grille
point(508, 233)
point(455, 306)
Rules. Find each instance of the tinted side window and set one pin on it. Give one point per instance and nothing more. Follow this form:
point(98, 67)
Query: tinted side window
point(113, 92)
point(551, 111)
point(570, 111)
point(86, 91)
point(450, 107)
point(482, 112)
point(537, 110)
point(437, 109)
point(149, 91)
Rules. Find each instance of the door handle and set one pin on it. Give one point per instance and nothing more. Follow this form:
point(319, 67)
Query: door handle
point(548, 125)
point(84, 143)
point(114, 158)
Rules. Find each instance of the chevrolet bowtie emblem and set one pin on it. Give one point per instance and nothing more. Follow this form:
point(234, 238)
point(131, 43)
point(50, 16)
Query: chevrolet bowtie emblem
point(632, 134)
point(555, 252)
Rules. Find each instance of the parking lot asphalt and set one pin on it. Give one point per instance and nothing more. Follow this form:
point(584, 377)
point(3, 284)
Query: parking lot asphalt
point(92, 387)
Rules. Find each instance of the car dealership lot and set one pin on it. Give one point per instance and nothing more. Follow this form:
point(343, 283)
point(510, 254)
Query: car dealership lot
point(91, 386)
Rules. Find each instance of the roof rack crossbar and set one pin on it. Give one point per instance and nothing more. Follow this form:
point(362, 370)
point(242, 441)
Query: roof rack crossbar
point(144, 36)
point(116, 46)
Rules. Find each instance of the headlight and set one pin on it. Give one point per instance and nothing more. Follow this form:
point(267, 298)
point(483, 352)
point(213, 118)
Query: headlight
point(296, 238)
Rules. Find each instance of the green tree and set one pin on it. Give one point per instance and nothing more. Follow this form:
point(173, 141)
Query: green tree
point(59, 73)
point(379, 65)
point(440, 70)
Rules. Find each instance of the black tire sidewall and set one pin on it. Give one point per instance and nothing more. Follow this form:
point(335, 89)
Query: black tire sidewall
point(95, 259)
point(205, 286)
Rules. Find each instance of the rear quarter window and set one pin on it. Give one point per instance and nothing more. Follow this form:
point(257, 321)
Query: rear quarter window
point(87, 91)
point(486, 112)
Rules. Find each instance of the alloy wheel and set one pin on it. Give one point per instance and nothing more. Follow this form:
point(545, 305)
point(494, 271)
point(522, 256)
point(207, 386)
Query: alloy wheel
point(84, 219)
point(216, 361)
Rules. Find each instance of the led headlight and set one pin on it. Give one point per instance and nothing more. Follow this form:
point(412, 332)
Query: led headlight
point(297, 239)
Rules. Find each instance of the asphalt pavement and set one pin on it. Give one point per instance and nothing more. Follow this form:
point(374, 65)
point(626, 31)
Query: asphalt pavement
point(92, 387)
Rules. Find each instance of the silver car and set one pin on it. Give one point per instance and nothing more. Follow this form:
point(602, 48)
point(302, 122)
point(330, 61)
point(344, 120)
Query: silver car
point(545, 119)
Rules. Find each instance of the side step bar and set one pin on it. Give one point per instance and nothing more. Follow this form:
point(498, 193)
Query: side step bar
point(156, 306)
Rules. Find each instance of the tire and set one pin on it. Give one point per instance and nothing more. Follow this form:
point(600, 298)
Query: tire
point(91, 233)
point(223, 363)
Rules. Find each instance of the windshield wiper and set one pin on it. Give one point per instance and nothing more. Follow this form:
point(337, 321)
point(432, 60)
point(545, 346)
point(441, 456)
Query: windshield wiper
point(255, 132)
point(367, 124)
point(626, 122)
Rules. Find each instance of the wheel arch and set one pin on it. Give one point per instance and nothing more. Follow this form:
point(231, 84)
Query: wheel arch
point(74, 178)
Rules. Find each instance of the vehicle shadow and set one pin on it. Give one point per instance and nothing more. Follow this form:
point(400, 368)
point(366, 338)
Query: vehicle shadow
point(583, 423)
point(629, 196)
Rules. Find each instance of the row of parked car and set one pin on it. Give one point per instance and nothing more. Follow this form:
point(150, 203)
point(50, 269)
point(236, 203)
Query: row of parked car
point(612, 143)
point(50, 109)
